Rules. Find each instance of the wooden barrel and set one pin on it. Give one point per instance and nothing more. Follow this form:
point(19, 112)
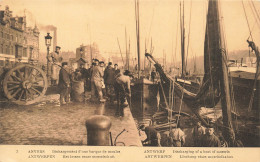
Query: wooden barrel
point(77, 91)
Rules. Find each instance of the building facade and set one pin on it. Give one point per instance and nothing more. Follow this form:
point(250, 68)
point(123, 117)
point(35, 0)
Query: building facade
point(88, 52)
point(18, 43)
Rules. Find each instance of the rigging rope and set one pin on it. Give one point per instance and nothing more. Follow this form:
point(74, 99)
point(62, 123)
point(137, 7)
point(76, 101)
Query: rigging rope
point(176, 38)
point(247, 21)
point(255, 15)
point(255, 10)
point(169, 112)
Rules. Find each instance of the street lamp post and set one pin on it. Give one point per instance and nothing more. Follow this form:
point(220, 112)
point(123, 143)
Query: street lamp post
point(48, 44)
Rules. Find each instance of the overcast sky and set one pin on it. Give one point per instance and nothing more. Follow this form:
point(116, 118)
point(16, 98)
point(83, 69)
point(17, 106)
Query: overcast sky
point(102, 21)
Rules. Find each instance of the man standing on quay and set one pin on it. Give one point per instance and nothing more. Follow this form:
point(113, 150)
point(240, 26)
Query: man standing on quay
point(56, 62)
point(109, 78)
point(122, 91)
point(96, 83)
point(64, 83)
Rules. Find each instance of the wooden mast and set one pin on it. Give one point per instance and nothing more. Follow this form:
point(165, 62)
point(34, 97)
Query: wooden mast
point(216, 46)
point(126, 52)
point(137, 33)
point(183, 71)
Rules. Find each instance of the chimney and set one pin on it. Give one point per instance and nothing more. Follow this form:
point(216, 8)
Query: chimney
point(54, 38)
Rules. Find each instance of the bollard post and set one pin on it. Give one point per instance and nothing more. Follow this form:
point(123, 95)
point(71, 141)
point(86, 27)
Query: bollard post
point(98, 130)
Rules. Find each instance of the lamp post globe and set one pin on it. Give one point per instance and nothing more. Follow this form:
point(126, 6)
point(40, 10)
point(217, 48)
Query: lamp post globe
point(48, 40)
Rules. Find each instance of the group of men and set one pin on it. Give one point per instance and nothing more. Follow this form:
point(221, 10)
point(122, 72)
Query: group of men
point(202, 137)
point(105, 83)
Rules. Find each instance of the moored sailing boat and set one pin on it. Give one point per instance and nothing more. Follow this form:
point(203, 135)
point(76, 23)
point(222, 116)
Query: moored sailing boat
point(215, 87)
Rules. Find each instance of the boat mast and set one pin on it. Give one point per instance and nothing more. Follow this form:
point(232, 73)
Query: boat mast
point(217, 46)
point(195, 65)
point(126, 52)
point(182, 40)
point(137, 34)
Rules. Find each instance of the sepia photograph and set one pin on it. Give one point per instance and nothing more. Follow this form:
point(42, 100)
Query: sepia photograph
point(131, 73)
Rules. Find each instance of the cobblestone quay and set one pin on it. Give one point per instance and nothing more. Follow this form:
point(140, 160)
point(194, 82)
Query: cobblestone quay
point(47, 123)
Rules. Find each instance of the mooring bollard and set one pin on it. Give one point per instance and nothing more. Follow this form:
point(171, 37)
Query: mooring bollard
point(98, 130)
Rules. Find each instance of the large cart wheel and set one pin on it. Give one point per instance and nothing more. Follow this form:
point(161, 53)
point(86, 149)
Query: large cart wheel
point(25, 84)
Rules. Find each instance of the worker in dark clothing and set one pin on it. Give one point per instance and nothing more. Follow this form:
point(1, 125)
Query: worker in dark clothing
point(85, 75)
point(197, 133)
point(109, 79)
point(210, 139)
point(153, 137)
point(90, 70)
point(117, 71)
point(64, 83)
point(122, 91)
point(153, 74)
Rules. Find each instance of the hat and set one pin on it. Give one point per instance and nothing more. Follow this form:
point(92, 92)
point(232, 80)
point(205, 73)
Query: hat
point(142, 126)
point(64, 63)
point(101, 62)
point(110, 63)
point(115, 65)
point(58, 47)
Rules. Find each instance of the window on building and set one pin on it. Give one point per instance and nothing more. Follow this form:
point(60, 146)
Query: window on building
point(7, 49)
point(31, 51)
point(12, 37)
point(25, 52)
point(16, 38)
point(11, 50)
point(2, 34)
point(8, 36)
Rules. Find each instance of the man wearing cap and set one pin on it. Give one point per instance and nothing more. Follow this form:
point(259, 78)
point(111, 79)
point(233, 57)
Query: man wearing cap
point(85, 75)
point(56, 60)
point(197, 132)
point(122, 90)
point(109, 75)
point(153, 74)
point(210, 139)
point(96, 83)
point(153, 137)
point(116, 69)
point(64, 83)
